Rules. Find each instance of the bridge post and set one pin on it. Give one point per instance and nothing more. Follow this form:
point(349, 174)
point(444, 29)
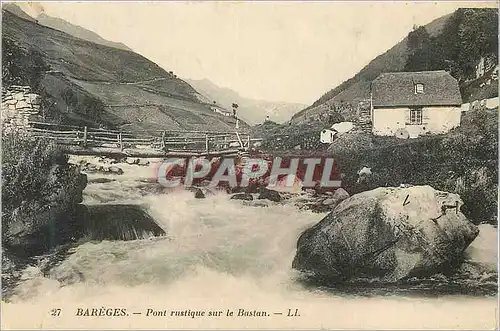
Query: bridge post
point(163, 134)
point(120, 141)
point(85, 136)
point(206, 142)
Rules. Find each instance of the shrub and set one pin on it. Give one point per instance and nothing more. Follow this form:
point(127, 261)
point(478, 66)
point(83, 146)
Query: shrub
point(25, 167)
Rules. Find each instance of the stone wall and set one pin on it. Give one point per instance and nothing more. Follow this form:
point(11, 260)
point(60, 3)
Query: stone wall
point(19, 106)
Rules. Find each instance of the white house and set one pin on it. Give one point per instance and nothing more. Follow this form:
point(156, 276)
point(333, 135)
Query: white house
point(413, 103)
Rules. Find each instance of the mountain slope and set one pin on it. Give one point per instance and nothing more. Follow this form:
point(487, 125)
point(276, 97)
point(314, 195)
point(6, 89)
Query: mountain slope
point(94, 84)
point(61, 25)
point(446, 32)
point(16, 10)
point(77, 31)
point(250, 110)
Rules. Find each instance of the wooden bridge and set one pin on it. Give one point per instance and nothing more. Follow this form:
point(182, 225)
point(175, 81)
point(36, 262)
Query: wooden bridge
point(146, 143)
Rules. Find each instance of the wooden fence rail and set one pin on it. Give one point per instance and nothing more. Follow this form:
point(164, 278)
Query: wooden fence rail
point(159, 142)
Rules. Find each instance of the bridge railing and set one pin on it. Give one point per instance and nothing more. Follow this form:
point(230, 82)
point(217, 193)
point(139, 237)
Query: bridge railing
point(167, 140)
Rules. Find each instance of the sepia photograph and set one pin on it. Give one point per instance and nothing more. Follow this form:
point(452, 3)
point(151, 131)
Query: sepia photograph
point(265, 165)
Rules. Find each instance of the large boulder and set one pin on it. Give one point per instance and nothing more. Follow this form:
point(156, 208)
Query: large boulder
point(50, 219)
point(387, 234)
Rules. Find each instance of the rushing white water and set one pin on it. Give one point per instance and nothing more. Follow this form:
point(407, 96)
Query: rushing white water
point(218, 254)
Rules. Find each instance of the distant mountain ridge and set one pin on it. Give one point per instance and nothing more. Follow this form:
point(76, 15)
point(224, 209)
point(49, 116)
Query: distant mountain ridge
point(250, 110)
point(431, 47)
point(64, 26)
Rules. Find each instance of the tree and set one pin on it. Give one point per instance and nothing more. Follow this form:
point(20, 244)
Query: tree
point(417, 38)
point(235, 106)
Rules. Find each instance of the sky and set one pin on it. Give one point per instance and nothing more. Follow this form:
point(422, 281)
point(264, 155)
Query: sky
point(276, 51)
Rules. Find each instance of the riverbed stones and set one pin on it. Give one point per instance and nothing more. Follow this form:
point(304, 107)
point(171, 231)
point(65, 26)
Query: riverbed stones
point(387, 234)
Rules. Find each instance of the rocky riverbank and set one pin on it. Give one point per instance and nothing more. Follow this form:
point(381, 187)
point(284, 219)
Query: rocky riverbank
point(117, 209)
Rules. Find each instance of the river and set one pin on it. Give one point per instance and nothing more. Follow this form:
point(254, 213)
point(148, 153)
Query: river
point(220, 254)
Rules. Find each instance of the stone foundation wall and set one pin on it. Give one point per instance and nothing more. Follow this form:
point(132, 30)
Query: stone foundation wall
point(19, 106)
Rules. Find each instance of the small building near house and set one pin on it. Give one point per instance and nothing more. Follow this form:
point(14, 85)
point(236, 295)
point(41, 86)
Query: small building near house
point(342, 127)
point(415, 103)
point(221, 111)
point(327, 136)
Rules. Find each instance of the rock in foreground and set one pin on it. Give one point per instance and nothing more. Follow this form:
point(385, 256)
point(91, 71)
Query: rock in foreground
point(388, 234)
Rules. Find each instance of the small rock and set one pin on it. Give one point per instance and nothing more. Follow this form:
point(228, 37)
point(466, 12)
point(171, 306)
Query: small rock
point(132, 160)
point(256, 203)
point(115, 170)
point(242, 196)
point(260, 203)
point(208, 191)
point(101, 180)
point(19, 96)
point(328, 202)
point(340, 195)
point(199, 194)
point(22, 104)
point(252, 188)
point(33, 98)
point(143, 162)
point(268, 194)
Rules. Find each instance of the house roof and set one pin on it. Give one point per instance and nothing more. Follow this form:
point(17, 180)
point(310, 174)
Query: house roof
point(397, 89)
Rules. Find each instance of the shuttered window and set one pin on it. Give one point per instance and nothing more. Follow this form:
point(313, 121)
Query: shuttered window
point(416, 116)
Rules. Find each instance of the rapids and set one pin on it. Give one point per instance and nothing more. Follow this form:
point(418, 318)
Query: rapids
point(220, 254)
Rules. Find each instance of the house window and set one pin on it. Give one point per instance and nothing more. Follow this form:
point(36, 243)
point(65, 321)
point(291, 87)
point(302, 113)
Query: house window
point(419, 88)
point(416, 116)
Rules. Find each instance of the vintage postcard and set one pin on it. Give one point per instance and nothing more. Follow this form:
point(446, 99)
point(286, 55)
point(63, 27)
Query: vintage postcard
point(249, 165)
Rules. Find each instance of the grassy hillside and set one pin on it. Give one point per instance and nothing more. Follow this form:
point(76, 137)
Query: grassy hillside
point(77, 31)
point(454, 42)
point(113, 87)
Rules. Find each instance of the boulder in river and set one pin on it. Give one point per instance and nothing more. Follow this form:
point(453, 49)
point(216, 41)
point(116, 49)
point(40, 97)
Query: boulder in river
point(387, 234)
point(120, 222)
